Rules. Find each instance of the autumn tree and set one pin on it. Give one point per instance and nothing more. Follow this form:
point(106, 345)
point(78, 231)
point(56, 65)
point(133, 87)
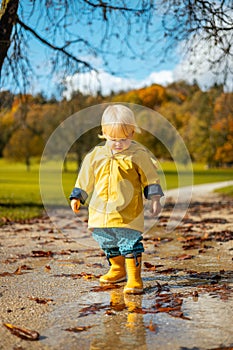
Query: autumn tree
point(198, 133)
point(8, 118)
point(223, 128)
point(22, 146)
point(25, 128)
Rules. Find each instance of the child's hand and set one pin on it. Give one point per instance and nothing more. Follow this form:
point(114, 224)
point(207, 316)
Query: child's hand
point(155, 205)
point(75, 205)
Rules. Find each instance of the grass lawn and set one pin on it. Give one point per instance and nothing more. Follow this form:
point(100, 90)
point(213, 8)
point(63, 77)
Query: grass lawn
point(20, 189)
point(227, 191)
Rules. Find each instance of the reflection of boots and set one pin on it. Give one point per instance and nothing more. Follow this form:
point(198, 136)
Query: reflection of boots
point(134, 283)
point(117, 271)
point(132, 317)
point(117, 300)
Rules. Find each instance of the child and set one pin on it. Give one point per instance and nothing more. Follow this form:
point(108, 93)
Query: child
point(112, 180)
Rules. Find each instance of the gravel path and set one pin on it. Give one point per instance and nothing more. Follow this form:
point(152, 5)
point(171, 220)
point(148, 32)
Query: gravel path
point(198, 191)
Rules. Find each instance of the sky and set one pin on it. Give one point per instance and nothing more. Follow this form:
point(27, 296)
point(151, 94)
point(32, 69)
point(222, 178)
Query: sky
point(120, 68)
point(140, 75)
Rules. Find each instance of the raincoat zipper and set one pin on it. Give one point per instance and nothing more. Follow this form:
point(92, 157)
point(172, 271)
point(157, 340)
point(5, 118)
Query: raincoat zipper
point(109, 190)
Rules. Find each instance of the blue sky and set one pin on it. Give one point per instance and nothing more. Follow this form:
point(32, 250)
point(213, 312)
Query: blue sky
point(123, 71)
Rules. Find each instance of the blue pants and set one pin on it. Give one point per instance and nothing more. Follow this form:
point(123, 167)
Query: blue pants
point(118, 241)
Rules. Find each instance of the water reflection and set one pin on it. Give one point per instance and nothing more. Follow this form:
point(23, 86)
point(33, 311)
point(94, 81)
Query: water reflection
point(123, 327)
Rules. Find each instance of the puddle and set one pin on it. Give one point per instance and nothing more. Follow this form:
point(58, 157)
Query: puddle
point(209, 324)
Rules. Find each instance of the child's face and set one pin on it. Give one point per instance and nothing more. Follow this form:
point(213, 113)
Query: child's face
point(118, 145)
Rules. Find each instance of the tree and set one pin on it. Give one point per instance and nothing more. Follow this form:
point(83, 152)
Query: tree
point(199, 135)
point(201, 25)
point(8, 15)
point(223, 128)
point(68, 30)
point(30, 120)
point(10, 119)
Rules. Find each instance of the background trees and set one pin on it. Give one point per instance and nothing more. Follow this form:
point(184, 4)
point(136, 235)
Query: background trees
point(223, 128)
point(204, 119)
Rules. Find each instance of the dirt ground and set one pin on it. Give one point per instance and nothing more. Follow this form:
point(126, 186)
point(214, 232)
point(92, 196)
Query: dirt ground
point(49, 284)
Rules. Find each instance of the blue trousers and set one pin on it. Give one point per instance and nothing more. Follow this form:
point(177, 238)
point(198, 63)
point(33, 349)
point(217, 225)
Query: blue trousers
point(118, 241)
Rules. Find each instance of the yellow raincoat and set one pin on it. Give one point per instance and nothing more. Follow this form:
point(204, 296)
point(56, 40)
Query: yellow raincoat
point(113, 185)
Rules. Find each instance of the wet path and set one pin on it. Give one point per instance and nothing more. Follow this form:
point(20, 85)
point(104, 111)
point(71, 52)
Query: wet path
point(49, 283)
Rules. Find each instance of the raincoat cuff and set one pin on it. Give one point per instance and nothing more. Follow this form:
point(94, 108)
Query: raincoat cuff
point(153, 190)
point(77, 193)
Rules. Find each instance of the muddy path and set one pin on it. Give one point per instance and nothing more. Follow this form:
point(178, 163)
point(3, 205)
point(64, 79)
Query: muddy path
point(49, 283)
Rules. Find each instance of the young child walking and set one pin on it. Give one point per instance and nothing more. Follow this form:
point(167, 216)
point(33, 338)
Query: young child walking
point(112, 181)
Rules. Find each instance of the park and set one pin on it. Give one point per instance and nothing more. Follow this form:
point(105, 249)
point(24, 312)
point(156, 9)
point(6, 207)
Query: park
point(62, 64)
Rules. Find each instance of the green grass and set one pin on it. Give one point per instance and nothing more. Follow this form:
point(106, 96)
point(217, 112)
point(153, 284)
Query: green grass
point(20, 212)
point(20, 189)
point(19, 192)
point(201, 174)
point(226, 191)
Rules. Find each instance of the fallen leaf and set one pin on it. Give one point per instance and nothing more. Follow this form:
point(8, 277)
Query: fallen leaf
point(84, 275)
point(4, 274)
point(222, 236)
point(25, 267)
point(96, 265)
point(152, 327)
point(214, 220)
point(151, 267)
point(183, 257)
point(110, 312)
point(18, 271)
point(142, 311)
point(89, 310)
point(41, 253)
point(170, 270)
point(22, 333)
point(40, 300)
point(105, 287)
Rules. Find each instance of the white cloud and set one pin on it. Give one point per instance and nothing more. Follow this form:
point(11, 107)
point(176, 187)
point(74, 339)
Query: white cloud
point(196, 65)
point(163, 77)
point(204, 75)
point(91, 82)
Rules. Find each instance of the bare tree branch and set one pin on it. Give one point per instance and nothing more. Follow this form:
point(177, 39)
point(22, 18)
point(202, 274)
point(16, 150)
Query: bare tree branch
point(80, 33)
point(54, 47)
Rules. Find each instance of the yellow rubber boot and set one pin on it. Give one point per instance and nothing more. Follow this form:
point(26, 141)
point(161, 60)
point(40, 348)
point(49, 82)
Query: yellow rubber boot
point(134, 283)
point(117, 272)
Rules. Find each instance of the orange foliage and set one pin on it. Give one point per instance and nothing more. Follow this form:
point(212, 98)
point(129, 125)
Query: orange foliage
point(151, 96)
point(223, 111)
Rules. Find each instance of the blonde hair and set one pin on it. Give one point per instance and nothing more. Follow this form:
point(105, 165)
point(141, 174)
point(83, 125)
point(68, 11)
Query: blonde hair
point(118, 122)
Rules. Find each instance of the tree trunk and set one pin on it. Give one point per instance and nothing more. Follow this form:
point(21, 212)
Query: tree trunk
point(8, 13)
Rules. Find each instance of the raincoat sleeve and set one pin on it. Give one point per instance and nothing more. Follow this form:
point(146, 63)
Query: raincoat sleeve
point(85, 182)
point(147, 170)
